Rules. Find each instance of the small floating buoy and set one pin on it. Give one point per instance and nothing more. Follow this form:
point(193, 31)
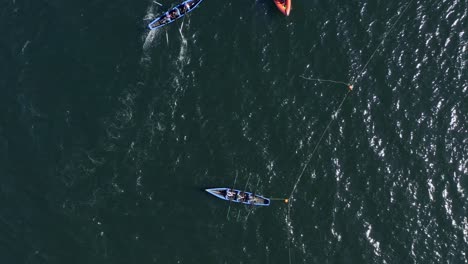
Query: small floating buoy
point(286, 200)
point(350, 87)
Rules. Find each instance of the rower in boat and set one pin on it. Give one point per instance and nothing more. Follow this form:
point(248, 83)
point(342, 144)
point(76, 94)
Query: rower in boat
point(174, 14)
point(193, 4)
point(230, 194)
point(240, 196)
point(184, 8)
point(243, 197)
point(166, 19)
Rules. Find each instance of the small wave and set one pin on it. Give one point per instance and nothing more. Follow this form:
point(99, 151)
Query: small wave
point(183, 47)
point(149, 36)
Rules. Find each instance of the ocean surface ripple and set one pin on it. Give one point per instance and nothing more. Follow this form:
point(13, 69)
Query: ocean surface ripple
point(109, 132)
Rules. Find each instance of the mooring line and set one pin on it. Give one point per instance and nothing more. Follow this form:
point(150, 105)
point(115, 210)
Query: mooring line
point(305, 167)
point(324, 80)
point(316, 147)
point(351, 84)
point(350, 88)
point(381, 43)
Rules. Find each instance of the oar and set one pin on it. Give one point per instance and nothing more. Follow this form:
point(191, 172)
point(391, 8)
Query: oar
point(252, 205)
point(245, 187)
point(229, 207)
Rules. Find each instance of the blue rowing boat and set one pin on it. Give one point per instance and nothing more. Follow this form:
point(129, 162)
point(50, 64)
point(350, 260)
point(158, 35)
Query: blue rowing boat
point(238, 196)
point(174, 14)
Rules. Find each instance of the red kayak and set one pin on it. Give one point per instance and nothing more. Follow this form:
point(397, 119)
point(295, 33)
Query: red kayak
point(284, 6)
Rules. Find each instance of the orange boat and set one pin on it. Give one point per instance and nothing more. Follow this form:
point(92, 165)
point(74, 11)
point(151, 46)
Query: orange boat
point(284, 6)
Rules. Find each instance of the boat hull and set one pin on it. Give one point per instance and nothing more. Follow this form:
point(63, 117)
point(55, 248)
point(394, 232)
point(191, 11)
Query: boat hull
point(284, 6)
point(175, 13)
point(239, 196)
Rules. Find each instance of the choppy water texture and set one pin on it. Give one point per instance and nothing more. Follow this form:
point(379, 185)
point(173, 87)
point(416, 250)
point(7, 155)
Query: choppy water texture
point(109, 132)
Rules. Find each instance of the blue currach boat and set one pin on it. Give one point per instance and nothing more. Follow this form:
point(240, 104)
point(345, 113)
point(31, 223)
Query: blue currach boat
point(238, 196)
point(174, 14)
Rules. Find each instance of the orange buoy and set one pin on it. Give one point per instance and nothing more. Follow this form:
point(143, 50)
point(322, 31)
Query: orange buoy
point(286, 200)
point(350, 87)
point(284, 6)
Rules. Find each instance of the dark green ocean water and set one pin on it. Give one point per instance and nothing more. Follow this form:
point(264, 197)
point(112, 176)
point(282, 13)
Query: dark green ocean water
point(109, 133)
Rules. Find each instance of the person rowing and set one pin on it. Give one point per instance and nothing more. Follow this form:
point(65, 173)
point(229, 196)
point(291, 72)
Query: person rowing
point(193, 3)
point(165, 19)
point(243, 197)
point(185, 7)
point(231, 194)
point(174, 14)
